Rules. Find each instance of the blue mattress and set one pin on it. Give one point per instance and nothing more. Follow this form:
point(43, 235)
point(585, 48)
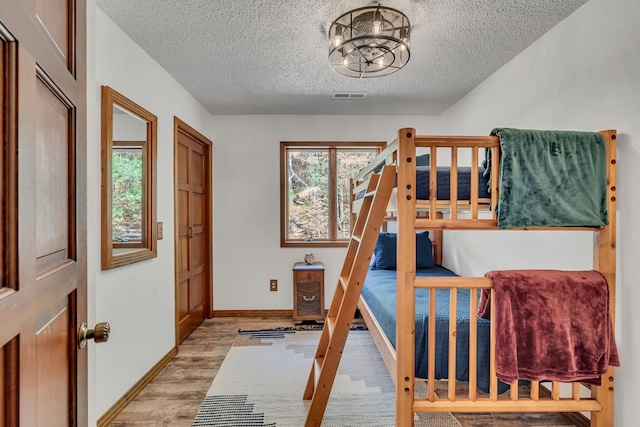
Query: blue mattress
point(444, 183)
point(379, 292)
point(443, 191)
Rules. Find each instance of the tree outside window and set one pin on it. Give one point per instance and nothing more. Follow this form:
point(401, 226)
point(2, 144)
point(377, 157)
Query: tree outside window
point(127, 195)
point(315, 189)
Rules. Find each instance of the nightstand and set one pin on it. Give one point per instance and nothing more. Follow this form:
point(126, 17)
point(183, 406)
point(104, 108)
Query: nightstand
point(308, 292)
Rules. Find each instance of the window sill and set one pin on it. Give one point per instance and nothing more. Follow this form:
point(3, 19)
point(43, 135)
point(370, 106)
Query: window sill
point(314, 244)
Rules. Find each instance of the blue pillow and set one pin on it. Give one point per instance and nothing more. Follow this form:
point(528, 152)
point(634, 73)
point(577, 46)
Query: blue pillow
point(423, 160)
point(424, 251)
point(385, 251)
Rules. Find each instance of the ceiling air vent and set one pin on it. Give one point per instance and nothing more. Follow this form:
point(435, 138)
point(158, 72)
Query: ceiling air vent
point(348, 95)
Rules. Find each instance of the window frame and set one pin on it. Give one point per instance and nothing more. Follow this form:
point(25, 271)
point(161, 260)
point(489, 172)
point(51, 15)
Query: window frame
point(332, 147)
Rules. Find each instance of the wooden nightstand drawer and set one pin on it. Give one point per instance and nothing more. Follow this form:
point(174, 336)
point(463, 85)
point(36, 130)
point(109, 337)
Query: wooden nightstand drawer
point(309, 276)
point(309, 299)
point(308, 291)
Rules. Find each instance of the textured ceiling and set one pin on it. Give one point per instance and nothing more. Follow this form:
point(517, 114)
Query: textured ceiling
point(270, 56)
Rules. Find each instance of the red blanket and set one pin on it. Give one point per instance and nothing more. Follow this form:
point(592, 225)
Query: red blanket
point(551, 325)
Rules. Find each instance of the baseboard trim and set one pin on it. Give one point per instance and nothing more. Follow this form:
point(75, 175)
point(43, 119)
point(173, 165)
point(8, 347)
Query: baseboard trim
point(131, 394)
point(252, 313)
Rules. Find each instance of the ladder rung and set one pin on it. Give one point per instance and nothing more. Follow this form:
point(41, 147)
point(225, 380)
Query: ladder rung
point(317, 368)
point(343, 282)
point(370, 193)
point(356, 238)
point(330, 324)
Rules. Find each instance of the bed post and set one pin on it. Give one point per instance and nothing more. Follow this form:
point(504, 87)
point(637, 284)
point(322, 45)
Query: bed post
point(406, 271)
point(604, 260)
point(437, 242)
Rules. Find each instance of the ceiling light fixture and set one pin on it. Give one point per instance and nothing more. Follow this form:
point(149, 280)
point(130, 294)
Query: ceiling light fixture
point(370, 41)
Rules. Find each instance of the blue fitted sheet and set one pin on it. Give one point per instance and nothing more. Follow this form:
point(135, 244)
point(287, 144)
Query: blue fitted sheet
point(379, 292)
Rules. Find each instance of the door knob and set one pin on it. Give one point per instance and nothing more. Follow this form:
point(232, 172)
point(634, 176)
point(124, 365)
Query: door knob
point(99, 334)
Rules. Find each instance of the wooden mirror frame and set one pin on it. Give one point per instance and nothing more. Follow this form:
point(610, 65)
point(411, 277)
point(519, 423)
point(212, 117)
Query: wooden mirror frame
point(148, 247)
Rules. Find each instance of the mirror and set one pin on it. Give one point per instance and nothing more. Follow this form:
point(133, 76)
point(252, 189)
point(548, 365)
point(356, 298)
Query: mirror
point(128, 181)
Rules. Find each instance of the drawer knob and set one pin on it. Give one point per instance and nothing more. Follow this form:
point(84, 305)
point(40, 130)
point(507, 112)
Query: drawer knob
point(308, 275)
point(306, 298)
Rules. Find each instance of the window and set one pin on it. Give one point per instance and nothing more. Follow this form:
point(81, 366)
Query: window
point(314, 186)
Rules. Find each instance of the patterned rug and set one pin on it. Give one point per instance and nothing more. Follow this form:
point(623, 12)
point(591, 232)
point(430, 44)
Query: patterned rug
point(261, 381)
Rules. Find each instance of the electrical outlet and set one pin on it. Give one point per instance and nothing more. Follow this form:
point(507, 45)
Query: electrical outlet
point(273, 285)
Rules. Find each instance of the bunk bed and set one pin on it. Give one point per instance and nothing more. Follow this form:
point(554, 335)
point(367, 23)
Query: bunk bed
point(401, 356)
point(462, 355)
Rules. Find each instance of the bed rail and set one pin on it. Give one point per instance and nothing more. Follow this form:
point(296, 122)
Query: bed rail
point(493, 402)
point(455, 144)
point(539, 399)
point(427, 210)
point(472, 213)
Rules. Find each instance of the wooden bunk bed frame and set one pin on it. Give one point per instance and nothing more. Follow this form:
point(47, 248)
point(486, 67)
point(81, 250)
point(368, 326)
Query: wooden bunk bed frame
point(413, 215)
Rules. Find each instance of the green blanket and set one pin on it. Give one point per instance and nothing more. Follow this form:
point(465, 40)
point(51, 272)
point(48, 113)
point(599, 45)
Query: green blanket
point(550, 178)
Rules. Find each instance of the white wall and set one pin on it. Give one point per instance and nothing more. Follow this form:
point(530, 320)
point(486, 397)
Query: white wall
point(138, 300)
point(246, 172)
point(582, 75)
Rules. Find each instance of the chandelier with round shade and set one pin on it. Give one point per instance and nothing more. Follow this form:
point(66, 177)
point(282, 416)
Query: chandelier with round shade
point(370, 41)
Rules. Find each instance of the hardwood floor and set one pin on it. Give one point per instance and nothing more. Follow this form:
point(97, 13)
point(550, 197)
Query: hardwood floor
point(173, 397)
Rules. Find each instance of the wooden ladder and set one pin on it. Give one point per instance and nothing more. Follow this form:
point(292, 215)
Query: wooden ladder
point(345, 300)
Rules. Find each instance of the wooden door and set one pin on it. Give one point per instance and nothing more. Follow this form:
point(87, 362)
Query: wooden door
point(193, 225)
point(43, 379)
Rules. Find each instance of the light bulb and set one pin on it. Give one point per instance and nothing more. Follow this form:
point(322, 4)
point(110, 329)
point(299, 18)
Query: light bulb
point(337, 39)
point(377, 27)
point(404, 38)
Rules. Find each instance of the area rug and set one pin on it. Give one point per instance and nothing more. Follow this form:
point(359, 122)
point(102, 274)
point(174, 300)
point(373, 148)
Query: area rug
point(262, 379)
